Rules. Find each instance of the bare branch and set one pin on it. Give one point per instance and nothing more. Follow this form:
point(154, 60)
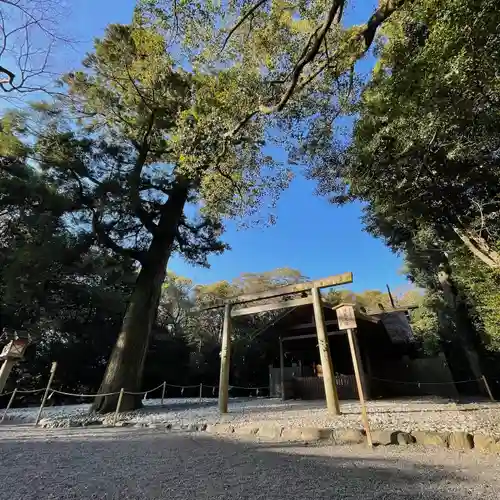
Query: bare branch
point(9, 74)
point(28, 34)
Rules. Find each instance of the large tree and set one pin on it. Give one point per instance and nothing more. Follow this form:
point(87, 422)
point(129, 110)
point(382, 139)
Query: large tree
point(425, 147)
point(166, 125)
point(424, 159)
point(57, 287)
point(139, 148)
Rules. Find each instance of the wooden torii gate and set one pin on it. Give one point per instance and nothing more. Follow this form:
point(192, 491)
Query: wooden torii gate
point(312, 288)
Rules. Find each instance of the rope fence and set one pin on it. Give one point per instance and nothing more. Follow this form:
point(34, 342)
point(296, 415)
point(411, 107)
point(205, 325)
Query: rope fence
point(481, 379)
point(120, 394)
point(426, 383)
point(163, 386)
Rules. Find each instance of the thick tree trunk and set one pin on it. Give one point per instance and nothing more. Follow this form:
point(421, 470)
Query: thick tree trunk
point(461, 350)
point(126, 364)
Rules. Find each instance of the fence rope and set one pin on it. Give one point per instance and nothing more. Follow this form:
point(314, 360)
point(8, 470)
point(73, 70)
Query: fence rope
point(426, 383)
point(143, 392)
point(105, 394)
point(184, 386)
point(55, 391)
point(248, 388)
point(215, 387)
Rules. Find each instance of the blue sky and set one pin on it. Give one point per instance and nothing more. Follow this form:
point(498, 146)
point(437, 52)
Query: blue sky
point(310, 234)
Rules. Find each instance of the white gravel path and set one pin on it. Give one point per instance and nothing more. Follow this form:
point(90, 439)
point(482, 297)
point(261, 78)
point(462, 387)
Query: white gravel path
point(404, 415)
point(112, 463)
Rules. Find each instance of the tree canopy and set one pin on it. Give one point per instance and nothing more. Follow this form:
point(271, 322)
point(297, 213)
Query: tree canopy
point(424, 160)
point(424, 150)
point(172, 126)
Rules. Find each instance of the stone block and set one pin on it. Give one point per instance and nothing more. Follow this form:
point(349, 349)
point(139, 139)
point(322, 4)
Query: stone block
point(316, 434)
point(44, 423)
point(123, 423)
point(89, 423)
point(220, 429)
point(270, 431)
point(430, 438)
point(383, 437)
point(348, 436)
point(291, 434)
point(308, 434)
point(403, 438)
point(460, 441)
point(485, 443)
point(246, 430)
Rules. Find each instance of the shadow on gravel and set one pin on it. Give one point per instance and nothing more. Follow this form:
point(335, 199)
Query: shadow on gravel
point(123, 464)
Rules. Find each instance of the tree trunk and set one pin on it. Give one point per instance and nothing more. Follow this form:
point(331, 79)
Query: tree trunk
point(126, 364)
point(461, 350)
point(479, 247)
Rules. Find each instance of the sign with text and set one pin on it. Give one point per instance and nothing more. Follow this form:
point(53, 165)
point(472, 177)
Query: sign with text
point(346, 317)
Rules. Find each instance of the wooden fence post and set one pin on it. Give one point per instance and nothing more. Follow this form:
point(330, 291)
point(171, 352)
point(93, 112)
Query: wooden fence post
point(47, 389)
point(488, 390)
point(9, 404)
point(282, 371)
point(163, 392)
point(118, 405)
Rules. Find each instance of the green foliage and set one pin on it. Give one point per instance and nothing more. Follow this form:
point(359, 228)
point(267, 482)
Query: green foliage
point(415, 158)
point(481, 286)
point(56, 286)
point(425, 323)
point(424, 159)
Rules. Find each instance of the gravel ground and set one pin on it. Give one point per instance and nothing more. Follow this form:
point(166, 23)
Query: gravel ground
point(112, 463)
point(404, 415)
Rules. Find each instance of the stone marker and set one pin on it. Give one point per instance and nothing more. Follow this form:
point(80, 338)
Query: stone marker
point(246, 430)
point(306, 434)
point(220, 429)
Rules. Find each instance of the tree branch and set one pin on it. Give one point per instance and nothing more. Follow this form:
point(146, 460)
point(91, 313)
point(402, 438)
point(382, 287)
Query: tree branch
point(105, 239)
point(378, 18)
point(241, 21)
point(10, 75)
point(135, 180)
point(310, 51)
point(482, 256)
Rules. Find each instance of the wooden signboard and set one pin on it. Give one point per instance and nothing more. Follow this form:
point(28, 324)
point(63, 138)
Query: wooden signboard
point(346, 317)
